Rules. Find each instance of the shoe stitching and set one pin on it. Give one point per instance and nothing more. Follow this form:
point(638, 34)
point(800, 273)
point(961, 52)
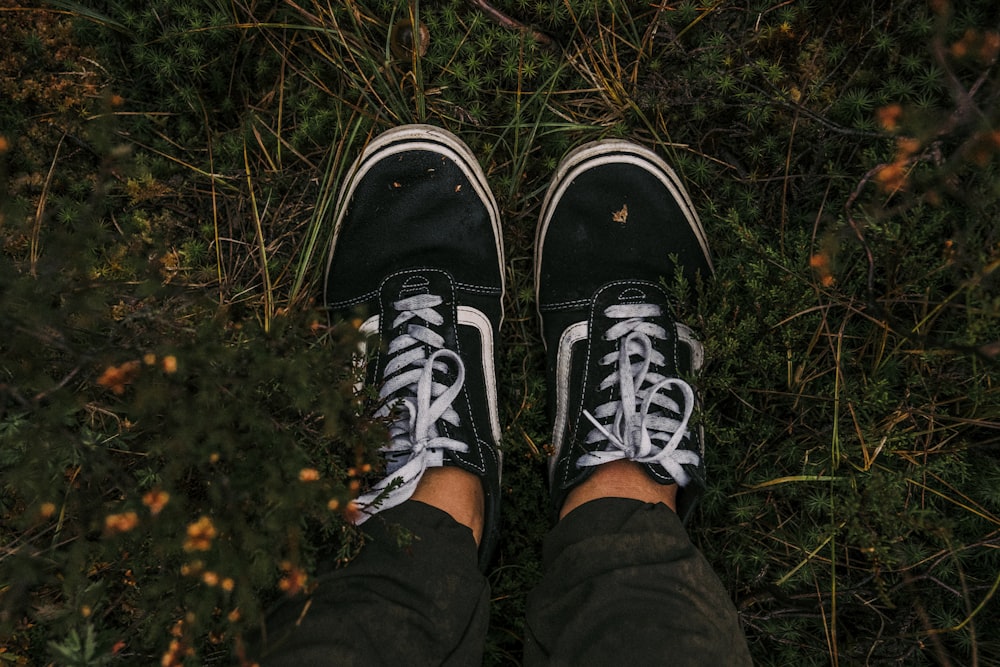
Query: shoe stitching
point(368, 296)
point(576, 303)
point(465, 388)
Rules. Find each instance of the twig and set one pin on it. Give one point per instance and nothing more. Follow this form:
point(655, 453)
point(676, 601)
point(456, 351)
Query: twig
point(510, 22)
point(36, 229)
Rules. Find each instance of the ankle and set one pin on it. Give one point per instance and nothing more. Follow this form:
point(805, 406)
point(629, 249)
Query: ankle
point(457, 492)
point(620, 479)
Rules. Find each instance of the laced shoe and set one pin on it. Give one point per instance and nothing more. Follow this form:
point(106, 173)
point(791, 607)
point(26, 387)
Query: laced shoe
point(616, 221)
point(417, 251)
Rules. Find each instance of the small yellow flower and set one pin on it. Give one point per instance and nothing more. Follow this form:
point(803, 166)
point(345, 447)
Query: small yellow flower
point(333, 505)
point(991, 47)
point(120, 523)
point(149, 358)
point(200, 535)
point(888, 117)
point(175, 654)
point(47, 510)
point(116, 378)
point(169, 364)
point(960, 48)
point(294, 580)
point(210, 578)
point(891, 177)
point(906, 146)
point(821, 263)
point(194, 567)
point(308, 475)
point(353, 512)
point(155, 500)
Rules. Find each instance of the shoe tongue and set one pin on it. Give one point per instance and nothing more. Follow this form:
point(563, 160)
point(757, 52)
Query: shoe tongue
point(413, 285)
point(633, 293)
point(414, 282)
point(628, 294)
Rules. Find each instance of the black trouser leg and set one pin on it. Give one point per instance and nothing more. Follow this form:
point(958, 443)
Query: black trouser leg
point(423, 604)
point(624, 585)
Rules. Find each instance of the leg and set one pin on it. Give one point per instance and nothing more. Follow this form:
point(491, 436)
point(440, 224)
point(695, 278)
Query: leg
point(417, 251)
point(423, 603)
point(623, 582)
point(624, 585)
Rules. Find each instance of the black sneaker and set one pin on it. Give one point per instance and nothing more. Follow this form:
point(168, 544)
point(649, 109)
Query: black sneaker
point(615, 222)
point(417, 251)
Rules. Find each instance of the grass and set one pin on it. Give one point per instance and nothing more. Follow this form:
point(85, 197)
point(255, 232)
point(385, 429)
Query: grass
point(177, 434)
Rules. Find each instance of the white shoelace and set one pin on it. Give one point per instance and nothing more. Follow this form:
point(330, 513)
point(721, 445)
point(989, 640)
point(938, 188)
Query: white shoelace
point(650, 434)
point(419, 401)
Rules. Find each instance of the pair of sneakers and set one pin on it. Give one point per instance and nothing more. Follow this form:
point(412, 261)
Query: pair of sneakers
point(418, 250)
